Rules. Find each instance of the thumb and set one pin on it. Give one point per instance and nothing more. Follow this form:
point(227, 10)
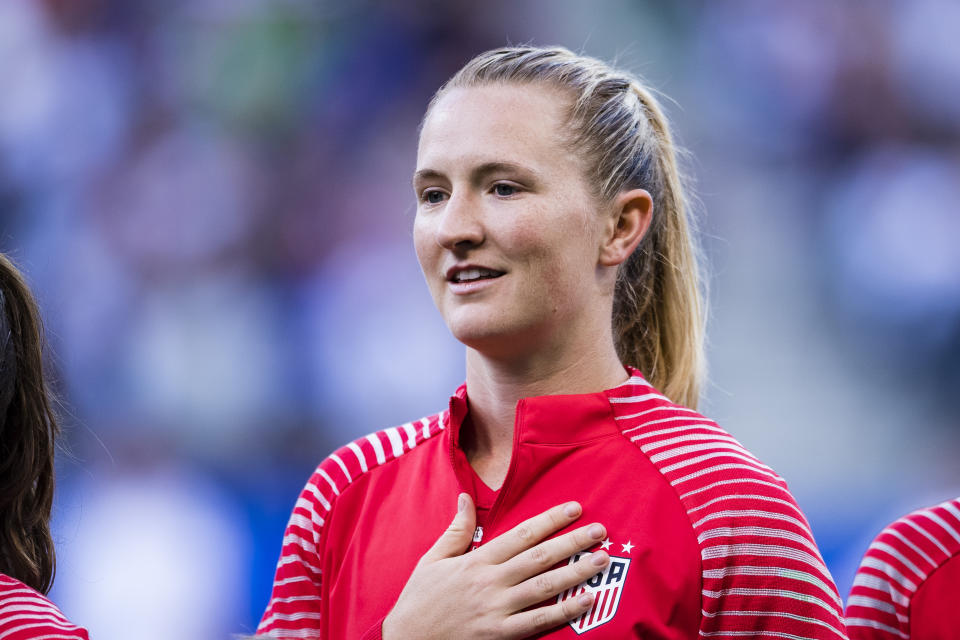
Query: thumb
point(458, 536)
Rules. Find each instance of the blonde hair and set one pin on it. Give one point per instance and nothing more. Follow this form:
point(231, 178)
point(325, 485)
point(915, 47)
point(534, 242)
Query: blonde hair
point(619, 127)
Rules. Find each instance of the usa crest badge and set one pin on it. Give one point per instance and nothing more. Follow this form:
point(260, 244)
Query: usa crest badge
point(606, 586)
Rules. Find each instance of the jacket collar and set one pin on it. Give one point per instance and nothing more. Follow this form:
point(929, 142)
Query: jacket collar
point(553, 419)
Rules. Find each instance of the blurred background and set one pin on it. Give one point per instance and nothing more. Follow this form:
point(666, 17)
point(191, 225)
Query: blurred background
point(212, 202)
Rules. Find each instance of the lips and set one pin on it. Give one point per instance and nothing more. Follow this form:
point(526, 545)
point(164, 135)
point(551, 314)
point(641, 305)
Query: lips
point(471, 273)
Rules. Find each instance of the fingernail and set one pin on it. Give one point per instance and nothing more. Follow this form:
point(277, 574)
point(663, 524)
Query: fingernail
point(462, 503)
point(584, 599)
point(572, 509)
point(599, 559)
point(595, 531)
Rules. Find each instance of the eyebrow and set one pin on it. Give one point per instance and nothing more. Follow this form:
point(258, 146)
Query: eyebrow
point(478, 173)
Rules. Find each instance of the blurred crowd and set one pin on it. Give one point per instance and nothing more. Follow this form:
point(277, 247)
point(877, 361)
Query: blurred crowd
point(212, 202)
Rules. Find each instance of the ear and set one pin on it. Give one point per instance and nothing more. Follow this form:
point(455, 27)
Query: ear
point(630, 216)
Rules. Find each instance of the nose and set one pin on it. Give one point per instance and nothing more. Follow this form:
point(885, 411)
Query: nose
point(461, 225)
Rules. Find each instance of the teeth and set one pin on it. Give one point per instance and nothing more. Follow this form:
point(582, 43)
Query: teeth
point(469, 274)
point(474, 274)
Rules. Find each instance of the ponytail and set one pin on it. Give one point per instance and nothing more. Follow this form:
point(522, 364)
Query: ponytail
point(658, 312)
point(28, 431)
point(617, 124)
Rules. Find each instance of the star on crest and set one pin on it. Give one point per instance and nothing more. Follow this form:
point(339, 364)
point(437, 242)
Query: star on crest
point(627, 547)
point(605, 545)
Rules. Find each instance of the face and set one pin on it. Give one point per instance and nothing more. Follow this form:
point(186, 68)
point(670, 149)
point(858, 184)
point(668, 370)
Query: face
point(507, 231)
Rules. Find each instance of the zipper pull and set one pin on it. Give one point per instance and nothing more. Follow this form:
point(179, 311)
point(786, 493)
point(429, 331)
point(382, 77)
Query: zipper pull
point(477, 538)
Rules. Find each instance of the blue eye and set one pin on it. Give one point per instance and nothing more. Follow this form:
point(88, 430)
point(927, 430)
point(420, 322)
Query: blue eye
point(504, 190)
point(433, 197)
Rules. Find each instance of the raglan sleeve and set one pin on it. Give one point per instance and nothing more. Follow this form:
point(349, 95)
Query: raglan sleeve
point(295, 607)
point(763, 575)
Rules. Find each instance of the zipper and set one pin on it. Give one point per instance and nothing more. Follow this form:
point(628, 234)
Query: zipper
point(511, 471)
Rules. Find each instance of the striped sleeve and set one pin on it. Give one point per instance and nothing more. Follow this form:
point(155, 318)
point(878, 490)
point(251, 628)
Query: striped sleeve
point(295, 607)
point(762, 574)
point(895, 566)
point(25, 614)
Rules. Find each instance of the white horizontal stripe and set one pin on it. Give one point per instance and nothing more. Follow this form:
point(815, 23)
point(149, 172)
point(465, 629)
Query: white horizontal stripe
point(378, 452)
point(752, 513)
point(719, 483)
point(886, 548)
point(691, 437)
point(759, 633)
point(396, 443)
point(306, 545)
point(426, 428)
point(780, 614)
point(12, 632)
point(29, 601)
point(314, 490)
point(337, 459)
point(641, 398)
point(733, 445)
point(286, 581)
point(411, 434)
point(774, 572)
point(297, 560)
point(902, 538)
point(28, 610)
point(767, 550)
point(760, 532)
point(360, 455)
point(748, 496)
point(634, 380)
point(873, 603)
point(325, 476)
point(776, 593)
point(294, 599)
point(882, 585)
point(721, 467)
point(303, 522)
point(305, 505)
point(886, 568)
point(289, 617)
point(940, 521)
point(307, 634)
point(951, 507)
point(873, 624)
point(723, 454)
point(695, 421)
point(910, 523)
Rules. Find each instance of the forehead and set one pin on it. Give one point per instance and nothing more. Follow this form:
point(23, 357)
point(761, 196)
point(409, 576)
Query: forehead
point(519, 123)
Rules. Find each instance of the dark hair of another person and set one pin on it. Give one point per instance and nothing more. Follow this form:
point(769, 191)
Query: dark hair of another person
point(28, 432)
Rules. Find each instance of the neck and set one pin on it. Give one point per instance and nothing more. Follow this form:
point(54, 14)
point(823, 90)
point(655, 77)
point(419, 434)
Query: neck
point(495, 385)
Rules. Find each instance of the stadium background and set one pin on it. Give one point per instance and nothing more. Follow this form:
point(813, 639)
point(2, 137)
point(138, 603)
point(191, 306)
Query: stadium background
point(212, 202)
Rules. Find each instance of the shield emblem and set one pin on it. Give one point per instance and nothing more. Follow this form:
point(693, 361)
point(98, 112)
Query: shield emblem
point(607, 587)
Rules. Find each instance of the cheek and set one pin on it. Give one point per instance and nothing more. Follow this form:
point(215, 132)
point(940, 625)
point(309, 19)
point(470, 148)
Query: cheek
point(422, 242)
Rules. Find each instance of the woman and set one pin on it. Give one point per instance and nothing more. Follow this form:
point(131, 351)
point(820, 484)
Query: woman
point(28, 431)
point(552, 231)
point(908, 584)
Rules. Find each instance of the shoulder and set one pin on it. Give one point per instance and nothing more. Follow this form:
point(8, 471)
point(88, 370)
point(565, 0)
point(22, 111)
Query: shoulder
point(348, 465)
point(25, 614)
point(756, 548)
point(897, 564)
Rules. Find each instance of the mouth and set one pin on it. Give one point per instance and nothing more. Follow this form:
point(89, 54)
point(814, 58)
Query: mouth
point(472, 274)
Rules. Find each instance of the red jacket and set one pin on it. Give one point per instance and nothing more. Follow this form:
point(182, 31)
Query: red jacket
point(26, 614)
point(703, 537)
point(908, 585)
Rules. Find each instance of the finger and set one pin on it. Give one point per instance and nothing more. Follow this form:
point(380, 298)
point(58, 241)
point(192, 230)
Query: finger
point(533, 621)
point(550, 583)
point(458, 536)
point(530, 532)
point(541, 557)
